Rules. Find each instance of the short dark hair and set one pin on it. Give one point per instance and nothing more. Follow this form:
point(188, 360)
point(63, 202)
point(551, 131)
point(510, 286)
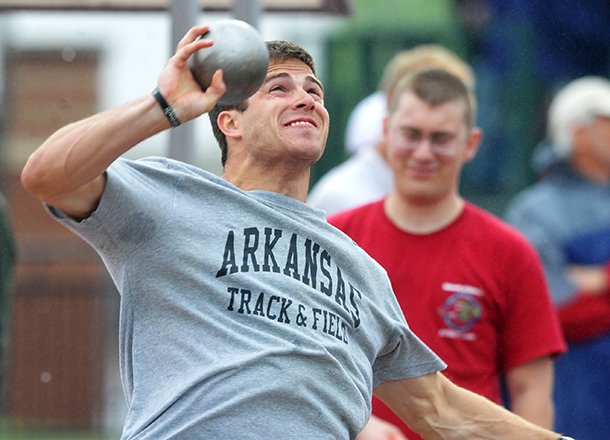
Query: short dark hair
point(435, 87)
point(279, 51)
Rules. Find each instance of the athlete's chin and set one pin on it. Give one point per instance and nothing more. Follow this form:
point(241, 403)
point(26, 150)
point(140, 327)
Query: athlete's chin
point(307, 153)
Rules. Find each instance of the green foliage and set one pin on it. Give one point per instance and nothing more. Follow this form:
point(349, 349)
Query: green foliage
point(415, 15)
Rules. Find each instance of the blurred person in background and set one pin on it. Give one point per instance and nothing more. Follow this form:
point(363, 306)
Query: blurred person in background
point(366, 176)
point(471, 287)
point(364, 126)
point(566, 215)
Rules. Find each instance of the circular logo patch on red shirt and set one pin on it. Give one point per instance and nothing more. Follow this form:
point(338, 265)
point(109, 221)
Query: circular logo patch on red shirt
point(461, 311)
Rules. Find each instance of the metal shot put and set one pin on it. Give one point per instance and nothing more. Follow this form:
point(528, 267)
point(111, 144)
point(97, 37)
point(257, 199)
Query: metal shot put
point(240, 52)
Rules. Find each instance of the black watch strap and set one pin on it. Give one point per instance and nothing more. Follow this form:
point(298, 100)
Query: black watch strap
point(167, 109)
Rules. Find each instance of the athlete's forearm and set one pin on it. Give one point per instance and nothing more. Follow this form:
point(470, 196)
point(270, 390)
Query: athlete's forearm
point(68, 170)
point(437, 409)
point(80, 152)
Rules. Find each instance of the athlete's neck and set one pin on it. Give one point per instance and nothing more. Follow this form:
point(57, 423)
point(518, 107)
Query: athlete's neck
point(290, 182)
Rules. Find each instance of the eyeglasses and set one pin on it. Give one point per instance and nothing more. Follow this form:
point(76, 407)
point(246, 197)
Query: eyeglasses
point(440, 143)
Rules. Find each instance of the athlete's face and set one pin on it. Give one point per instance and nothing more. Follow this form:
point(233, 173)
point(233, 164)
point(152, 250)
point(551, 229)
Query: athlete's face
point(428, 146)
point(286, 118)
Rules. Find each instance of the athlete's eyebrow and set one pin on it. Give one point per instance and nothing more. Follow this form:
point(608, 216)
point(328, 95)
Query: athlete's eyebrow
point(309, 78)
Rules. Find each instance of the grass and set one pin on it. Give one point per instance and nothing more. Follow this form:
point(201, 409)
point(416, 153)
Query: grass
point(13, 431)
point(38, 435)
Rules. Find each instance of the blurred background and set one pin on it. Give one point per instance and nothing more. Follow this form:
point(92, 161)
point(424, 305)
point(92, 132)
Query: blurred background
point(63, 60)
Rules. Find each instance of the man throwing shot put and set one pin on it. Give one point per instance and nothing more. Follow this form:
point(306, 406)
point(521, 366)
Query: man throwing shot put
point(244, 315)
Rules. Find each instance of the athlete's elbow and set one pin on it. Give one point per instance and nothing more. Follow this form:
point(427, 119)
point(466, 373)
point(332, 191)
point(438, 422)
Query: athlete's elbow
point(34, 177)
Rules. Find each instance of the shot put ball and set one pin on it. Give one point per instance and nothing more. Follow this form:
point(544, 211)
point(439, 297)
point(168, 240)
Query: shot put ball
point(240, 52)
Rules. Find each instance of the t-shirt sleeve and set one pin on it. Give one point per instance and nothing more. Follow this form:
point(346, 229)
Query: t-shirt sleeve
point(407, 357)
point(123, 217)
point(531, 327)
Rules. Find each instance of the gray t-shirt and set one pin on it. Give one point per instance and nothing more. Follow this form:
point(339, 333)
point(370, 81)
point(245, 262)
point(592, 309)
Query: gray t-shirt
point(244, 315)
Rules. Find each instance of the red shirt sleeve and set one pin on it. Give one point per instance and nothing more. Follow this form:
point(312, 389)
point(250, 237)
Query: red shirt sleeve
point(586, 316)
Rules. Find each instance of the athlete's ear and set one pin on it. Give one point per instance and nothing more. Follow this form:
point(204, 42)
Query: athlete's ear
point(229, 122)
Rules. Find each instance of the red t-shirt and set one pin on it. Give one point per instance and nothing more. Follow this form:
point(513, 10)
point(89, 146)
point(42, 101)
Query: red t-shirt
point(474, 292)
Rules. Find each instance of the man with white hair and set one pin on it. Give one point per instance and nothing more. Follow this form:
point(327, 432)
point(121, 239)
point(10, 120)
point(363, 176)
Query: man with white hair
point(566, 215)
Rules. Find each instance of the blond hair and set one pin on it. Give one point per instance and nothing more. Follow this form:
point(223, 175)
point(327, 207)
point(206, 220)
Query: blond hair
point(426, 57)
